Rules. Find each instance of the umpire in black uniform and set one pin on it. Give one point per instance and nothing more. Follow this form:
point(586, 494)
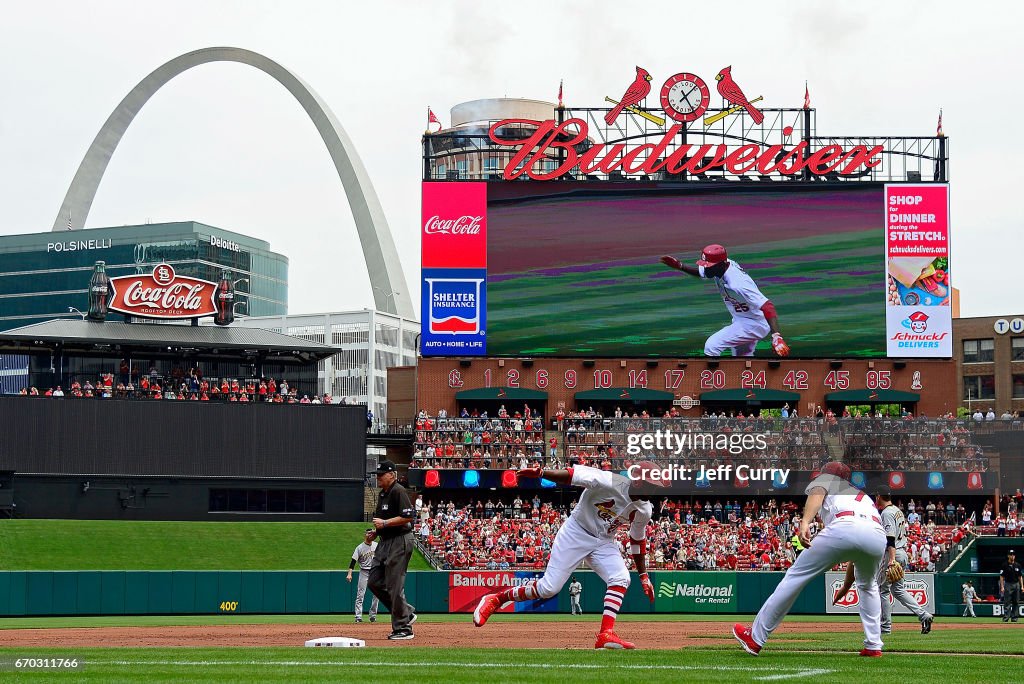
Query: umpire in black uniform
point(1011, 584)
point(393, 522)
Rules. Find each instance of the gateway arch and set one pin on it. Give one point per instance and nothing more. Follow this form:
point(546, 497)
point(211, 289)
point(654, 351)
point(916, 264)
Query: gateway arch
point(390, 292)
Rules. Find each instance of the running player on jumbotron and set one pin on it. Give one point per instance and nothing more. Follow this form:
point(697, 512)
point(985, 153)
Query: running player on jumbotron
point(753, 315)
point(606, 505)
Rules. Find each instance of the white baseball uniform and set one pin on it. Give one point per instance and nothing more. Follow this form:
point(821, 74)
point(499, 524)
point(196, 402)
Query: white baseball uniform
point(853, 532)
point(895, 526)
point(743, 301)
point(590, 530)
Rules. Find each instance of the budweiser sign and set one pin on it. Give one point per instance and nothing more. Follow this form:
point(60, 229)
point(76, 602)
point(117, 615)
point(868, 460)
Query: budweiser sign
point(464, 225)
point(163, 294)
point(551, 139)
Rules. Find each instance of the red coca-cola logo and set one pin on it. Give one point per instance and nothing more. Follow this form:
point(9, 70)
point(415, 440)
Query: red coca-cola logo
point(464, 225)
point(163, 294)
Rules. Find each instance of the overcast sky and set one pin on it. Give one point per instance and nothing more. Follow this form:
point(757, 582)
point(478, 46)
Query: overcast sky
point(226, 145)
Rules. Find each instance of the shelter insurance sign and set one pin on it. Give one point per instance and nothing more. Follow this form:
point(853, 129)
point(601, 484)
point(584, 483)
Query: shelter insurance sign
point(163, 294)
point(454, 269)
point(919, 318)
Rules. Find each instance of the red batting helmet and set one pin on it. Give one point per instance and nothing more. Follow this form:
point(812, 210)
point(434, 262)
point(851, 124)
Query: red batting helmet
point(711, 255)
point(840, 470)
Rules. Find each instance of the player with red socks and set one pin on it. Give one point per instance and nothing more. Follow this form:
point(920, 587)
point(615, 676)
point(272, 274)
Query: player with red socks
point(589, 533)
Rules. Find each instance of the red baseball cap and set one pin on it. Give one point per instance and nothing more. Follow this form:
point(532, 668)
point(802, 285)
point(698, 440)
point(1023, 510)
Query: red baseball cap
point(838, 469)
point(711, 255)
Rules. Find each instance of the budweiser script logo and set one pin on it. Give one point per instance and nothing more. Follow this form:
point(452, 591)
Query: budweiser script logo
point(464, 225)
point(551, 139)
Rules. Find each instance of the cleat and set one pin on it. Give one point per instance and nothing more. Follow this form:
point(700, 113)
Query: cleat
point(610, 639)
point(926, 624)
point(359, 620)
point(746, 639)
point(488, 604)
point(373, 619)
point(413, 619)
point(401, 635)
point(871, 653)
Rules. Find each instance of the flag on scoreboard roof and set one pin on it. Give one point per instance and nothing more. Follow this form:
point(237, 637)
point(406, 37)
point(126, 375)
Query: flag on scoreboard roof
point(432, 119)
point(807, 97)
point(69, 221)
point(938, 128)
point(560, 93)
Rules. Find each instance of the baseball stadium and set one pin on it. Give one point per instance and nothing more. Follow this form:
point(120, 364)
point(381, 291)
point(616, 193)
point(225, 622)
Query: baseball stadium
point(690, 375)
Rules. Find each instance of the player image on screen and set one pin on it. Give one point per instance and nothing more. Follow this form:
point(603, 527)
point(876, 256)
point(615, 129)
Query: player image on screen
point(753, 315)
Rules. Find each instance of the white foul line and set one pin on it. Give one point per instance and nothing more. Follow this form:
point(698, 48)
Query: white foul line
point(787, 673)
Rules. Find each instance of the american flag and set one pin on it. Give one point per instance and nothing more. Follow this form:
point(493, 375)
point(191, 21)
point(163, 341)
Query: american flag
point(807, 97)
point(69, 221)
point(560, 93)
point(938, 128)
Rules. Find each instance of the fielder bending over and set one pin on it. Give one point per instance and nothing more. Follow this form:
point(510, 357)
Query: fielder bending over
point(853, 533)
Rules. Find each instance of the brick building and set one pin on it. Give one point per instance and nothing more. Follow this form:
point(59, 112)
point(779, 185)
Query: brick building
point(989, 353)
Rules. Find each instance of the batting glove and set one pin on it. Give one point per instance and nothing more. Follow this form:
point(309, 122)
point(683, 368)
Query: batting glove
point(779, 345)
point(672, 262)
point(535, 472)
point(645, 584)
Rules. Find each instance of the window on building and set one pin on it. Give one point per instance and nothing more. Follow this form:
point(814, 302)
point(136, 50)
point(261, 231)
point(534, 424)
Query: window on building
point(441, 171)
point(1017, 349)
point(266, 501)
point(979, 387)
point(1018, 386)
point(492, 164)
point(979, 351)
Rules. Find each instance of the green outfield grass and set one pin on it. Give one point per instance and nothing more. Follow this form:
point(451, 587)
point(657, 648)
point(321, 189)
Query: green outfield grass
point(134, 545)
point(947, 654)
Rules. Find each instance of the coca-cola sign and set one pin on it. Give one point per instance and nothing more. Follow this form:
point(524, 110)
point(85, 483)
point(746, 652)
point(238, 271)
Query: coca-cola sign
point(463, 225)
point(163, 294)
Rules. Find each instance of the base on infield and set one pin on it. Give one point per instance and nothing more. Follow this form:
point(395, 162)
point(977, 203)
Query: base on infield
point(337, 642)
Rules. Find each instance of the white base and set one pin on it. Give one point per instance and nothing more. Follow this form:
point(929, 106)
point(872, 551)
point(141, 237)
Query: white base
point(337, 642)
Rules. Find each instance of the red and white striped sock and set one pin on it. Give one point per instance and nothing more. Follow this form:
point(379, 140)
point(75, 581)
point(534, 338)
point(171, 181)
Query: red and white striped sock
point(612, 604)
point(525, 592)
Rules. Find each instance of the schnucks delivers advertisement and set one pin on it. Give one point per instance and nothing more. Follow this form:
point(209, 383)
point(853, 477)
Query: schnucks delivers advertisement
point(919, 319)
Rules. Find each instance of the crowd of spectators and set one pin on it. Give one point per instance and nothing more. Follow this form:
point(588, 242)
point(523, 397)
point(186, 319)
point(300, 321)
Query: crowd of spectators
point(181, 387)
point(910, 444)
point(870, 442)
point(517, 534)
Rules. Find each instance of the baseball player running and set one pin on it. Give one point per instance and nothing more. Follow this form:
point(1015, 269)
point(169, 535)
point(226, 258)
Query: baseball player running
point(853, 533)
point(606, 505)
point(895, 526)
point(753, 314)
point(364, 556)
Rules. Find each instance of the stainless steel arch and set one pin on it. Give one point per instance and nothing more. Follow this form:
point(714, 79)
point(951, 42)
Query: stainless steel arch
point(390, 292)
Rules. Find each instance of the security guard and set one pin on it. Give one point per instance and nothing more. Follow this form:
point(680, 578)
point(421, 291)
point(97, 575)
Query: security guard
point(393, 523)
point(798, 546)
point(1011, 584)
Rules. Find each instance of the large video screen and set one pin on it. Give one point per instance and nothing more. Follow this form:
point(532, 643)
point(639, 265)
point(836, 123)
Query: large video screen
point(574, 269)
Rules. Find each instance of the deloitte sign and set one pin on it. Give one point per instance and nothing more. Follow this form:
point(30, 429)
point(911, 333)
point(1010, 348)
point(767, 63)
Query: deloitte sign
point(699, 592)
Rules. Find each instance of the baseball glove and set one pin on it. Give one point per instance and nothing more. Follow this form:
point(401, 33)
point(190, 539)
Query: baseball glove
point(671, 262)
point(893, 573)
point(779, 345)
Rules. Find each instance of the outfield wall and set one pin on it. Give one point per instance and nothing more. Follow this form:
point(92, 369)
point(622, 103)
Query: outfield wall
point(42, 593)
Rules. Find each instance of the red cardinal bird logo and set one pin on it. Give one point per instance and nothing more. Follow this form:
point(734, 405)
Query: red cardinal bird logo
point(634, 94)
point(728, 89)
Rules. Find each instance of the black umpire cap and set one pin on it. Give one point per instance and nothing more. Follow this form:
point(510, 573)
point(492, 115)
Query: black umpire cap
point(386, 467)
